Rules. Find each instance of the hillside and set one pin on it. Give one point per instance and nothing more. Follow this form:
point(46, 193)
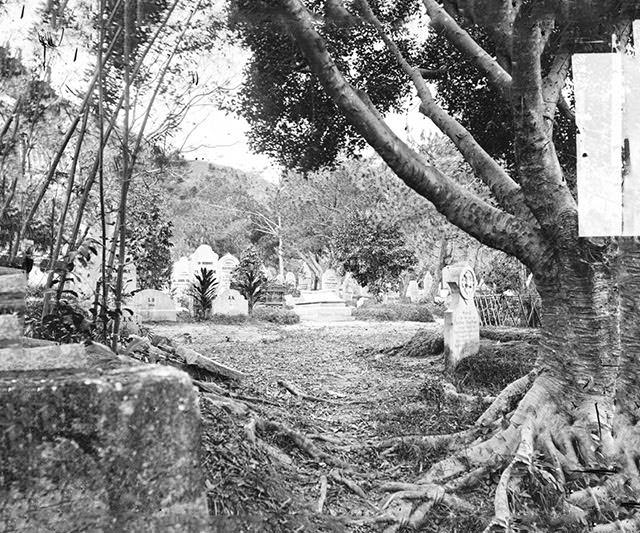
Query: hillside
point(209, 203)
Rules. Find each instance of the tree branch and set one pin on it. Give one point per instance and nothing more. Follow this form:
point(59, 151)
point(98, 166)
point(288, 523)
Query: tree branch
point(461, 207)
point(540, 175)
point(554, 82)
point(443, 23)
point(503, 188)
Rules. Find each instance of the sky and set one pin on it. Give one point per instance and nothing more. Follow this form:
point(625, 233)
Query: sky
point(207, 132)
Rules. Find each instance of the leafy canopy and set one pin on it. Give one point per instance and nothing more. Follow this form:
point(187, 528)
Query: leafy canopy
point(374, 251)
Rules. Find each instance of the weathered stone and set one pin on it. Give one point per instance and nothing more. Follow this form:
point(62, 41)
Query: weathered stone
point(64, 356)
point(108, 452)
point(461, 321)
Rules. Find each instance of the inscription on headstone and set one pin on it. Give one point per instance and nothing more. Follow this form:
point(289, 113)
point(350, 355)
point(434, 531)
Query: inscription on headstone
point(330, 281)
point(461, 321)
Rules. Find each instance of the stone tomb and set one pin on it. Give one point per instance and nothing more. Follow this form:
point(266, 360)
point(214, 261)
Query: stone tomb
point(154, 306)
point(93, 447)
point(461, 321)
point(230, 302)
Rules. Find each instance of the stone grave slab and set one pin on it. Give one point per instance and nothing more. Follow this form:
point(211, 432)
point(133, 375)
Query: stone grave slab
point(154, 306)
point(461, 320)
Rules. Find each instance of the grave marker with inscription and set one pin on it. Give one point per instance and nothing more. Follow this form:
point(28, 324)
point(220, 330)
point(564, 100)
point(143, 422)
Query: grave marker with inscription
point(461, 321)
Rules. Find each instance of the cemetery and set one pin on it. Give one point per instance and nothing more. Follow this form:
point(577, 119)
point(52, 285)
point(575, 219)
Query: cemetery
point(334, 266)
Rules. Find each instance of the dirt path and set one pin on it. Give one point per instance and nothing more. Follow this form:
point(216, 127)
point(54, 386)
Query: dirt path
point(369, 395)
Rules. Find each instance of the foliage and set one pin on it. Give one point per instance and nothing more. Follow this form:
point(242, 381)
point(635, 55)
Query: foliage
point(149, 233)
point(276, 315)
point(292, 118)
point(504, 273)
point(203, 291)
point(226, 320)
point(248, 278)
point(68, 322)
point(373, 251)
point(394, 312)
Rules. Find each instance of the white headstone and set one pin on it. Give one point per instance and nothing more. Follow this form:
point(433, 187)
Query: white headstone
point(461, 321)
point(413, 291)
point(181, 276)
point(330, 281)
point(226, 264)
point(230, 302)
point(154, 306)
point(204, 257)
point(427, 283)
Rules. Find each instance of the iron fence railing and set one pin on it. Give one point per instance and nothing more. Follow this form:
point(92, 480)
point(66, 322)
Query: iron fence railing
point(519, 310)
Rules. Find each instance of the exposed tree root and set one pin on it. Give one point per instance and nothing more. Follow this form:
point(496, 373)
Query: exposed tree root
point(300, 394)
point(507, 399)
point(543, 445)
point(300, 441)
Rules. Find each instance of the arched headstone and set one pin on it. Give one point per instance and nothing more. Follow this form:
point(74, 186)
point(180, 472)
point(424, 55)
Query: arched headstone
point(230, 302)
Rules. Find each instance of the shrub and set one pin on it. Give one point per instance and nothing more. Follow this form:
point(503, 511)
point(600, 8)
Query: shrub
point(394, 312)
point(276, 315)
point(203, 291)
point(248, 278)
point(68, 322)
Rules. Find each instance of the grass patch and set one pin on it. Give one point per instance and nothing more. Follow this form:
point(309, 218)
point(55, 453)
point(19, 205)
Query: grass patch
point(394, 312)
point(276, 315)
point(228, 320)
point(494, 367)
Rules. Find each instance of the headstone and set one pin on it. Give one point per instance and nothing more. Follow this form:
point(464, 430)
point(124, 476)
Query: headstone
point(413, 291)
point(230, 302)
point(204, 257)
point(461, 321)
point(226, 264)
point(306, 280)
point(181, 277)
point(427, 283)
point(291, 279)
point(330, 281)
point(154, 306)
